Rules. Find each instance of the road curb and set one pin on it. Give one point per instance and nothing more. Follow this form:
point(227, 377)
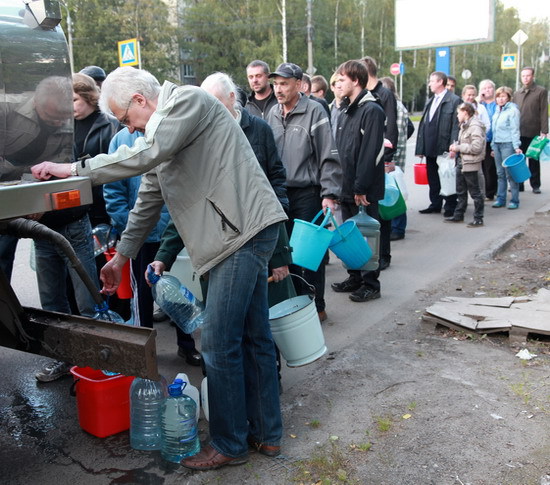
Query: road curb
point(499, 246)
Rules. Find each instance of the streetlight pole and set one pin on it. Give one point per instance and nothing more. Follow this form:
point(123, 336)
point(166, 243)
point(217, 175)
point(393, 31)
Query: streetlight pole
point(69, 35)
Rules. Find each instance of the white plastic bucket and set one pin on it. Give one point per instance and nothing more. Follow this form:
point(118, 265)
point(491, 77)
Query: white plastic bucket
point(296, 329)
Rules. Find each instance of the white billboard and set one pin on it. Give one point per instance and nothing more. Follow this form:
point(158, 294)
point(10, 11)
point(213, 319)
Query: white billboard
point(433, 23)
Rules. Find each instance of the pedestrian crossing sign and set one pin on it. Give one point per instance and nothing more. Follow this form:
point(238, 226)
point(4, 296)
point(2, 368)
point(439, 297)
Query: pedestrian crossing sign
point(128, 52)
point(508, 61)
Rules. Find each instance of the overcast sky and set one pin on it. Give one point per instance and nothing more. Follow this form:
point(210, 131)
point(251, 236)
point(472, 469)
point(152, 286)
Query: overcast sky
point(530, 8)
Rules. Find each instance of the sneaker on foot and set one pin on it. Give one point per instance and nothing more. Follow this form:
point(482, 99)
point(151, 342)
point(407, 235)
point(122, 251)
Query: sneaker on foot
point(159, 316)
point(53, 371)
point(513, 205)
point(347, 286)
point(476, 223)
point(364, 294)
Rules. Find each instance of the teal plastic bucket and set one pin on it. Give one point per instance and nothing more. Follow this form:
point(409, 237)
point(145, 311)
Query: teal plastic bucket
point(350, 246)
point(309, 242)
point(297, 331)
point(517, 167)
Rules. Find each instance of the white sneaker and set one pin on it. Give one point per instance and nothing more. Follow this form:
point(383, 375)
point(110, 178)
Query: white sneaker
point(53, 371)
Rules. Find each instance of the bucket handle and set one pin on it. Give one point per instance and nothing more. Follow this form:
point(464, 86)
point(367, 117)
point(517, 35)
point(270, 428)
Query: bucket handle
point(309, 285)
point(72, 390)
point(325, 221)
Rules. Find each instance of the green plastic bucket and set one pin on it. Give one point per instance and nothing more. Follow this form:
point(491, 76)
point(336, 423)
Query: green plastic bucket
point(517, 167)
point(309, 241)
point(350, 246)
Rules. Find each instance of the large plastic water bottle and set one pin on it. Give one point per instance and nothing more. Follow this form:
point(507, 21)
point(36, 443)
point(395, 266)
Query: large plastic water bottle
point(102, 312)
point(370, 229)
point(180, 436)
point(146, 398)
point(176, 301)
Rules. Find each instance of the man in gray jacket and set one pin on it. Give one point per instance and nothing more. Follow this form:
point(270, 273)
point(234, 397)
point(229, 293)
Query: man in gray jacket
point(313, 172)
point(197, 160)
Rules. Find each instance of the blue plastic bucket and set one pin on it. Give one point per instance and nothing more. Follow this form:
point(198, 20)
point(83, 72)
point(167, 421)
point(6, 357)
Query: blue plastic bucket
point(309, 242)
point(517, 167)
point(350, 246)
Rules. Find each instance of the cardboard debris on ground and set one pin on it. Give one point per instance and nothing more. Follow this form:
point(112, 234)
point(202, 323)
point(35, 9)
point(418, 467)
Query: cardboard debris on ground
point(516, 315)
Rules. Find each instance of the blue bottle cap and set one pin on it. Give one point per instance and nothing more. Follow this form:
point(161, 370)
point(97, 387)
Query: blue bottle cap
point(151, 276)
point(174, 390)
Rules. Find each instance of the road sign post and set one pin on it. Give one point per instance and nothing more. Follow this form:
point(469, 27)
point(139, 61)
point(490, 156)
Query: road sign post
point(395, 68)
point(519, 39)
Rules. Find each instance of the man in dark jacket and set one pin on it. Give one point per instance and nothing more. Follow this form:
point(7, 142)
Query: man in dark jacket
point(360, 143)
point(313, 173)
point(438, 129)
point(262, 98)
point(532, 101)
point(389, 104)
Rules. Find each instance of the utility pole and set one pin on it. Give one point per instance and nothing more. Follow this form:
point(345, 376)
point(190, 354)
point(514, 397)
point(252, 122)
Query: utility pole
point(336, 32)
point(363, 11)
point(310, 69)
point(69, 35)
point(282, 10)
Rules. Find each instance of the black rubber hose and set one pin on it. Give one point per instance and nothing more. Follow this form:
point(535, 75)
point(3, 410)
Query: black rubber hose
point(27, 228)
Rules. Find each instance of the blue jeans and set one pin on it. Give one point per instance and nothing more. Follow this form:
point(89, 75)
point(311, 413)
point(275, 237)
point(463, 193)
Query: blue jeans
point(503, 151)
point(399, 224)
point(52, 266)
point(238, 350)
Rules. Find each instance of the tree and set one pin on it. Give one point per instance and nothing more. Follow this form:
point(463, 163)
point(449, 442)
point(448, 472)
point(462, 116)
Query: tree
point(99, 24)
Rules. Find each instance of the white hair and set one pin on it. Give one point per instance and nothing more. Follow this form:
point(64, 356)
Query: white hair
point(221, 84)
point(121, 84)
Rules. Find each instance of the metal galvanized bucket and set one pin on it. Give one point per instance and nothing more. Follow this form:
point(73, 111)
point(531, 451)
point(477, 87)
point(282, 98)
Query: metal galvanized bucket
point(297, 331)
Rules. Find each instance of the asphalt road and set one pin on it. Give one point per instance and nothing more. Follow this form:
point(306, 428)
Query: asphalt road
point(40, 437)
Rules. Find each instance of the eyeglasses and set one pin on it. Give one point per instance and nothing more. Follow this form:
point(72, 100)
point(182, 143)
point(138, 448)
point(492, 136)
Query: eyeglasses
point(124, 120)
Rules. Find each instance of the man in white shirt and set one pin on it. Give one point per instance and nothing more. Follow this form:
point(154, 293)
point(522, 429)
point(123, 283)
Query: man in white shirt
point(437, 130)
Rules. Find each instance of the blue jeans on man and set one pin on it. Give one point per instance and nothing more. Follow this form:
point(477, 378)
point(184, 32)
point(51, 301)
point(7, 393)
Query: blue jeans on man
point(238, 350)
point(52, 266)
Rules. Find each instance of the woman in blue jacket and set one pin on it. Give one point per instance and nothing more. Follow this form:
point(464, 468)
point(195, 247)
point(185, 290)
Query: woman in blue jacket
point(506, 142)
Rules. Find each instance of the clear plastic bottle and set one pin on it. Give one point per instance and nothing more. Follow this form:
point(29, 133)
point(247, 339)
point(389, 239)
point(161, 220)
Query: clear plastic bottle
point(146, 398)
point(176, 301)
point(104, 237)
point(180, 437)
point(104, 313)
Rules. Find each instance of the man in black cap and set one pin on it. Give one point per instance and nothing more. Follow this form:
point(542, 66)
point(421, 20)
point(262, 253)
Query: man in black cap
point(96, 73)
point(304, 140)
